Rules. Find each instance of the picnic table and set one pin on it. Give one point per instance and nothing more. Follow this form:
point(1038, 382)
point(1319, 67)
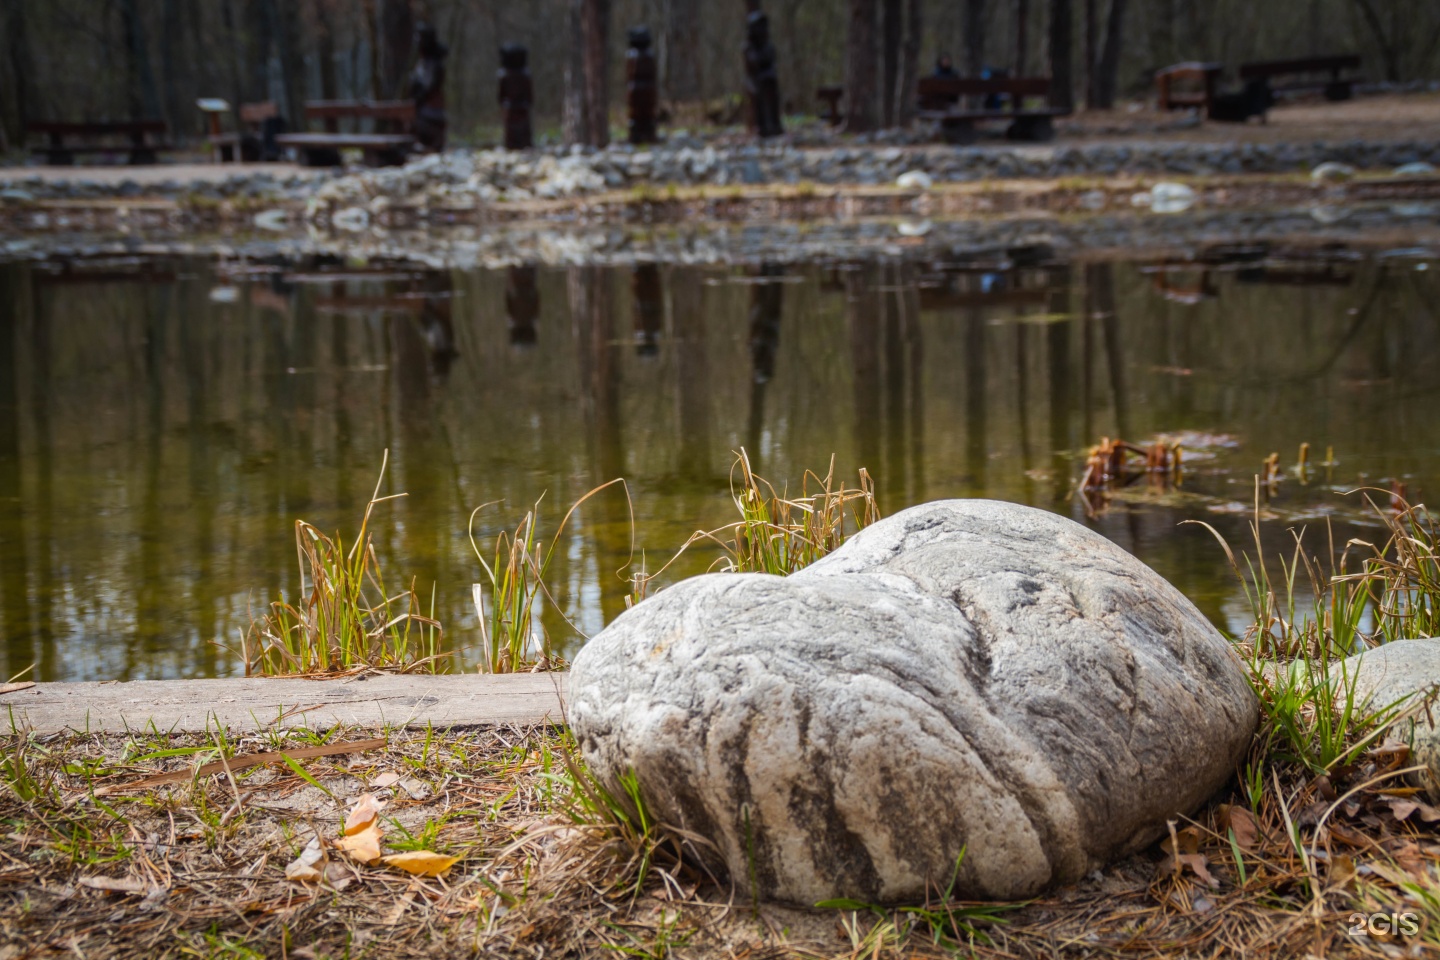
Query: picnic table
point(939, 100)
point(65, 139)
point(388, 145)
point(1316, 73)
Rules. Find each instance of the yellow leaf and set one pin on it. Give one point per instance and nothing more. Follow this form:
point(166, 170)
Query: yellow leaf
point(367, 808)
point(421, 862)
point(362, 847)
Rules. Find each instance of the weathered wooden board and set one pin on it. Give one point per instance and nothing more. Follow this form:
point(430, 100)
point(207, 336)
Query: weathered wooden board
point(369, 701)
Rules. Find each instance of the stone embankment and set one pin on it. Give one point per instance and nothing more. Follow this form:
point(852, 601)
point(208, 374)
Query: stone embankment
point(599, 184)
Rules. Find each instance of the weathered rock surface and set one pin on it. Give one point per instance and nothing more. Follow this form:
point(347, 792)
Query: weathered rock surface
point(1405, 675)
point(965, 675)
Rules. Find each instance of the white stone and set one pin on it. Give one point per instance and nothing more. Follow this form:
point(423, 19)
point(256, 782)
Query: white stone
point(1332, 172)
point(914, 180)
point(1404, 677)
point(965, 675)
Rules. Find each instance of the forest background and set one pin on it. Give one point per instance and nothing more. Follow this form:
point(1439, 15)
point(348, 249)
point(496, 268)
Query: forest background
point(108, 59)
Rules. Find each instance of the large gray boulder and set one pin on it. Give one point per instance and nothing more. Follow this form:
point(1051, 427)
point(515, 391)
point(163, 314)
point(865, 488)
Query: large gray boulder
point(1403, 679)
point(967, 675)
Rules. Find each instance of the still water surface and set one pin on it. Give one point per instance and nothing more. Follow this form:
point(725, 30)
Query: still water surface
point(163, 423)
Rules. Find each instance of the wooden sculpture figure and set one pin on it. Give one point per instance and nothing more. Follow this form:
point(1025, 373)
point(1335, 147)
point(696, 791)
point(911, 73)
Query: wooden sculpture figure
point(427, 89)
point(762, 83)
point(641, 89)
point(516, 93)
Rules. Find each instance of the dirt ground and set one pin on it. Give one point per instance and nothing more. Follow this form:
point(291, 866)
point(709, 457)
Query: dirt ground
point(98, 859)
point(1386, 117)
point(1411, 116)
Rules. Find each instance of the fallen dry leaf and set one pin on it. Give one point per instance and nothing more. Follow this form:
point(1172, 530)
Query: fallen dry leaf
point(364, 846)
point(115, 884)
point(385, 780)
point(367, 808)
point(1342, 870)
point(421, 862)
point(1242, 823)
point(302, 868)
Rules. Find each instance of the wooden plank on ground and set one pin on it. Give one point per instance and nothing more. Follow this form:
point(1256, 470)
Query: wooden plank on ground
point(370, 701)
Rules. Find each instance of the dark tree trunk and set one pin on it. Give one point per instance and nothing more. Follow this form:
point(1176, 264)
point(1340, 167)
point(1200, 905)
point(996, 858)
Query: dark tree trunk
point(891, 27)
point(22, 69)
point(257, 47)
point(1062, 81)
point(860, 66)
point(1092, 34)
point(1109, 69)
point(914, 33)
point(142, 98)
point(595, 29)
point(397, 28)
point(1389, 47)
point(285, 15)
point(172, 62)
point(974, 37)
point(575, 123)
point(682, 56)
point(1022, 36)
point(325, 51)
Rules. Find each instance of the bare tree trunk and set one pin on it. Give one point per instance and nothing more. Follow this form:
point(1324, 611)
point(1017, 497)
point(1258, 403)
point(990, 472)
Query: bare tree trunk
point(682, 63)
point(860, 66)
point(285, 15)
point(325, 51)
point(1092, 33)
point(255, 60)
point(891, 14)
point(1389, 46)
point(914, 32)
point(22, 67)
point(170, 60)
point(1109, 69)
point(974, 37)
point(575, 124)
point(1062, 81)
point(1022, 36)
point(140, 81)
point(595, 28)
point(397, 28)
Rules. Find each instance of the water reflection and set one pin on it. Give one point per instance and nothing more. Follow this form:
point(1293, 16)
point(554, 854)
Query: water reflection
point(164, 422)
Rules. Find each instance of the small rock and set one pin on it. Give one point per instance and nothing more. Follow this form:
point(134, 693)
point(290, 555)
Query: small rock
point(1405, 673)
point(1332, 172)
point(1171, 197)
point(914, 180)
point(14, 196)
point(270, 220)
point(1417, 169)
point(351, 219)
point(914, 228)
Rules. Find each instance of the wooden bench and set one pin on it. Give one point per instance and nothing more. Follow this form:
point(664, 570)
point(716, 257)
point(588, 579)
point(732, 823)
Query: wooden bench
point(1188, 86)
point(830, 96)
point(386, 146)
point(939, 100)
point(64, 139)
point(1334, 86)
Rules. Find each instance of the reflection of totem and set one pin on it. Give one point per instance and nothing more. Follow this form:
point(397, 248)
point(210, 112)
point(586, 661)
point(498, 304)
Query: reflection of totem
point(641, 77)
point(765, 304)
point(516, 94)
point(435, 323)
point(649, 308)
point(762, 83)
point(522, 305)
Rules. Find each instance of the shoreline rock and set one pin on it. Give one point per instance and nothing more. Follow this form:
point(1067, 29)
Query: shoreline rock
point(966, 676)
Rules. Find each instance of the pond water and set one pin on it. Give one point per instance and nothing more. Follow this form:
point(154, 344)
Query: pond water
point(163, 423)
